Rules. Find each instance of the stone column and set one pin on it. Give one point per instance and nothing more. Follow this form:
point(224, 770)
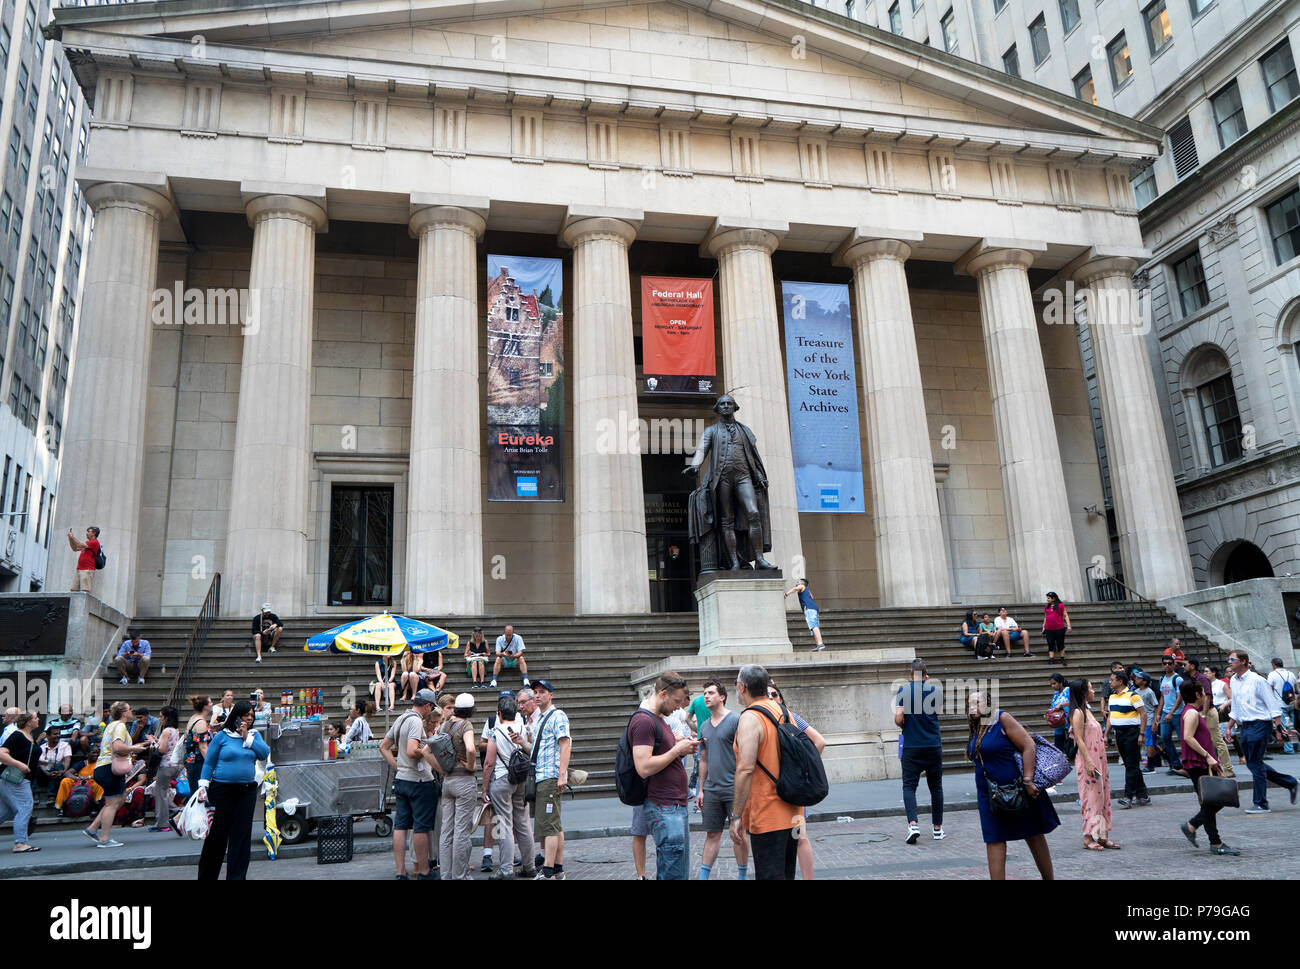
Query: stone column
point(104, 442)
point(609, 543)
point(1152, 544)
point(910, 554)
point(266, 547)
point(444, 539)
point(754, 371)
point(1043, 553)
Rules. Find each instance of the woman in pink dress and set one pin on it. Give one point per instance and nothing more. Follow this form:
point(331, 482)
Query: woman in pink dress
point(1090, 768)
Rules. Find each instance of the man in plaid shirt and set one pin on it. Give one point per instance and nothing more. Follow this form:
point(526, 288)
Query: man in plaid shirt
point(551, 743)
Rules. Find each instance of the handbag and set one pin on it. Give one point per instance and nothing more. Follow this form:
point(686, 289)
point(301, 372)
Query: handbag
point(1007, 801)
point(121, 765)
point(12, 775)
point(1050, 764)
point(1217, 792)
point(1055, 717)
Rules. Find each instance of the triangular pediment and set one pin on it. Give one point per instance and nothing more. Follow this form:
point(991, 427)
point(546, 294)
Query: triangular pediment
point(773, 61)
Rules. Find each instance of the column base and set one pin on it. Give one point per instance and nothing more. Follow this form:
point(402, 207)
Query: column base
point(742, 612)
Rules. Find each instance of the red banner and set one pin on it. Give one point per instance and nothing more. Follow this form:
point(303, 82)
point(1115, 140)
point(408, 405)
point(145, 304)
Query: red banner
point(677, 335)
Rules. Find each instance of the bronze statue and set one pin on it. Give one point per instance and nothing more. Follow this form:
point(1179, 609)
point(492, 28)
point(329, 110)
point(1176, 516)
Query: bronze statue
point(728, 514)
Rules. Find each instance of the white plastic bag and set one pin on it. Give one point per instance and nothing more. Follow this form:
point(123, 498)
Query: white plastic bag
point(195, 818)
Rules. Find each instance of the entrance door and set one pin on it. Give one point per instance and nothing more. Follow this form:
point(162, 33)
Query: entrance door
point(361, 546)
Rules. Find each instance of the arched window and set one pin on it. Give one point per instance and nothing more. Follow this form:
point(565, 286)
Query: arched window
point(1211, 402)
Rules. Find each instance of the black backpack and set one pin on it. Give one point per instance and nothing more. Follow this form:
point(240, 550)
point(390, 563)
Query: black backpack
point(803, 777)
point(633, 789)
point(518, 766)
point(100, 558)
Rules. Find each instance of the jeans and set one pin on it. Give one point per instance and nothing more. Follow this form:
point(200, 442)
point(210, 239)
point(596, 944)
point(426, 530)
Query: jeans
point(1130, 751)
point(16, 802)
point(511, 826)
point(773, 855)
point(459, 794)
point(162, 795)
point(929, 760)
point(1169, 740)
point(669, 823)
point(1203, 818)
point(1255, 735)
point(1288, 723)
point(231, 833)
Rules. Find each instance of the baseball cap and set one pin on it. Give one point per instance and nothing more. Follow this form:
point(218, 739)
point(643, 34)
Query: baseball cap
point(505, 693)
point(464, 700)
point(543, 685)
point(424, 696)
point(266, 607)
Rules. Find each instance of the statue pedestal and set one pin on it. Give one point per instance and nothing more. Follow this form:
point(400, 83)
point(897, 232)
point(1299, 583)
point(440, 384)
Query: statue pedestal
point(743, 613)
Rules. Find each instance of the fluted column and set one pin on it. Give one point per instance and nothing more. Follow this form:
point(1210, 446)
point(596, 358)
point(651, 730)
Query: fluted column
point(1043, 552)
point(444, 508)
point(609, 543)
point(910, 555)
point(266, 547)
point(755, 374)
point(103, 445)
point(1152, 544)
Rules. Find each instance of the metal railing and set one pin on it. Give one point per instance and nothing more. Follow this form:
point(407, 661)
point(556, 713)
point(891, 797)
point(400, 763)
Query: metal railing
point(1154, 621)
point(196, 640)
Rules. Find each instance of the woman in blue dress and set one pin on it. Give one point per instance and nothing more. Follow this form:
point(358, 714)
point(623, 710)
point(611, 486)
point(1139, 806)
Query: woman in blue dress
point(994, 743)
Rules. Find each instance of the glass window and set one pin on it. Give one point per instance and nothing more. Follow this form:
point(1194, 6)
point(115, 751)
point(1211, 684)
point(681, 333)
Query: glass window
point(1284, 226)
point(1222, 421)
point(1121, 66)
point(1038, 37)
point(1279, 76)
point(361, 546)
point(13, 393)
point(895, 18)
point(1011, 61)
point(1229, 117)
point(998, 5)
point(1190, 276)
point(1199, 7)
point(1159, 33)
point(948, 24)
point(1069, 14)
point(1084, 88)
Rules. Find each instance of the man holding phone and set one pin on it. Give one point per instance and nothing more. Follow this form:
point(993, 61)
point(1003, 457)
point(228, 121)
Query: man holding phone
point(658, 758)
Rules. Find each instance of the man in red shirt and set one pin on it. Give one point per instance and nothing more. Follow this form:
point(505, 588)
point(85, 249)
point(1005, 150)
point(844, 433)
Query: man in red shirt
point(1176, 651)
point(83, 578)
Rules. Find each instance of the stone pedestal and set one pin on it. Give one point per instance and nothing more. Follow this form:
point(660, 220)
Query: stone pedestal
point(742, 615)
point(846, 695)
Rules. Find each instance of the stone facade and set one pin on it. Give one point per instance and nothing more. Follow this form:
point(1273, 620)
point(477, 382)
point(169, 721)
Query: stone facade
point(663, 137)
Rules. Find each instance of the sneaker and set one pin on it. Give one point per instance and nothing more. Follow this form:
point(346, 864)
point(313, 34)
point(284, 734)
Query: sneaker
point(110, 843)
point(123, 681)
point(165, 827)
point(1255, 809)
point(1123, 802)
point(493, 684)
point(541, 876)
point(430, 876)
point(403, 877)
point(527, 682)
point(913, 834)
point(1189, 833)
point(487, 864)
point(1295, 789)
point(1223, 850)
point(501, 875)
point(938, 835)
point(1148, 770)
point(1029, 654)
point(273, 649)
point(818, 649)
point(527, 873)
point(90, 834)
point(1144, 802)
point(140, 680)
point(258, 660)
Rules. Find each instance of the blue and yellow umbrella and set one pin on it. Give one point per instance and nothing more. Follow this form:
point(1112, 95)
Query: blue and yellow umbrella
point(383, 636)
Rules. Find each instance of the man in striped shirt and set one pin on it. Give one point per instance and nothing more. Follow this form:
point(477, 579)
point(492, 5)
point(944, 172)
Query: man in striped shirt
point(1126, 714)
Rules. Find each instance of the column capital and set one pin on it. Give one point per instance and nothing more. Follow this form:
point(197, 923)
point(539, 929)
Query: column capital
point(865, 243)
point(1094, 269)
point(303, 203)
point(583, 222)
point(727, 234)
point(138, 189)
point(450, 211)
point(989, 254)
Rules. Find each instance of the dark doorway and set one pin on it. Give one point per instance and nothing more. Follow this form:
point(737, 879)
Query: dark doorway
point(668, 550)
point(361, 546)
point(1246, 562)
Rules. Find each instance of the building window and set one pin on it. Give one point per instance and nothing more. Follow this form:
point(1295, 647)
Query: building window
point(1182, 145)
point(1038, 38)
point(1190, 276)
point(1279, 76)
point(895, 19)
point(998, 5)
point(1084, 88)
point(1199, 7)
point(948, 25)
point(1229, 117)
point(1222, 421)
point(1069, 14)
point(848, 8)
point(1284, 226)
point(361, 546)
point(1011, 61)
point(1121, 66)
point(1159, 33)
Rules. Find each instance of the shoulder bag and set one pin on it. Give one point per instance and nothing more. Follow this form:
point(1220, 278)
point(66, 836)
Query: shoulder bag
point(1217, 792)
point(530, 782)
point(1007, 801)
point(121, 762)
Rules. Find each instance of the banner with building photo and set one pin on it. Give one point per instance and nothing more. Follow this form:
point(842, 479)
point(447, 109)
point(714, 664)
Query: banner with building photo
point(822, 385)
point(677, 349)
point(525, 390)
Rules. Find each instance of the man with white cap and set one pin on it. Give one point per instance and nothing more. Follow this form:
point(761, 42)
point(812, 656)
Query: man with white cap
point(266, 630)
point(459, 792)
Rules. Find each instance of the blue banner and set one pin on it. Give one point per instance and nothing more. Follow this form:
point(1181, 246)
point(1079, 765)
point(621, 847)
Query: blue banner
point(822, 386)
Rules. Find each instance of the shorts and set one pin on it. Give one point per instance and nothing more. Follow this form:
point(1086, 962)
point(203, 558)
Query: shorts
point(114, 785)
point(639, 827)
point(810, 616)
point(83, 580)
point(1014, 636)
point(546, 811)
point(968, 641)
point(417, 806)
point(715, 811)
point(1150, 738)
point(1055, 640)
point(509, 664)
point(471, 661)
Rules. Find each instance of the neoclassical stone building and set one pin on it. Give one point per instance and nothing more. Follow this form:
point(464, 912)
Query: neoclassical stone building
point(348, 167)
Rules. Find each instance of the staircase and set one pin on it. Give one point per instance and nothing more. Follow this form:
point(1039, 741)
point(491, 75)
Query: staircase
point(589, 659)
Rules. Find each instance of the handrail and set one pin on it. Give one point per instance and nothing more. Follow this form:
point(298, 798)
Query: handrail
point(1146, 613)
point(196, 640)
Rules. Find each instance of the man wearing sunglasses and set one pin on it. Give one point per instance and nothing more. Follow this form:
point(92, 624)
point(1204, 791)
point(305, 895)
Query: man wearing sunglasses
point(1172, 704)
point(1258, 712)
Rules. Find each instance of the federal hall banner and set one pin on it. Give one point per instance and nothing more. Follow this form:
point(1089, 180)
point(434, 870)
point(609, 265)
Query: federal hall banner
point(448, 217)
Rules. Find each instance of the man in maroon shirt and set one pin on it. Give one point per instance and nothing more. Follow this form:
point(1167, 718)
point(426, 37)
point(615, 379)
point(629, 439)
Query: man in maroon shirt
point(84, 578)
point(658, 758)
